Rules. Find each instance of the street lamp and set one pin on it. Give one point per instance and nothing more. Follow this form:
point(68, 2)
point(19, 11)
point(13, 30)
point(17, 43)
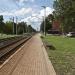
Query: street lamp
point(44, 19)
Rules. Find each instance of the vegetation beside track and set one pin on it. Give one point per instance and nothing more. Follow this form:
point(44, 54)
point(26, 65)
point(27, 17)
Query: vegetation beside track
point(2, 36)
point(63, 57)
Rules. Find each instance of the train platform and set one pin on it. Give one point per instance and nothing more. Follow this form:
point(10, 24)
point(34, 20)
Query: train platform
point(32, 61)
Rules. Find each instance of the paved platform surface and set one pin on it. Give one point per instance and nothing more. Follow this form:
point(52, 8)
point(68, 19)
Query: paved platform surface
point(35, 60)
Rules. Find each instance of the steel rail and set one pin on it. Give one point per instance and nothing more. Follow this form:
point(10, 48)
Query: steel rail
point(11, 46)
point(10, 41)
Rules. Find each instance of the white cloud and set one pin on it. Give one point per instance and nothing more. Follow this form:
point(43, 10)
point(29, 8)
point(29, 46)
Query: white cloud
point(6, 13)
point(31, 19)
point(23, 11)
point(40, 14)
point(32, 0)
point(48, 11)
point(21, 1)
point(38, 17)
point(20, 12)
point(26, 19)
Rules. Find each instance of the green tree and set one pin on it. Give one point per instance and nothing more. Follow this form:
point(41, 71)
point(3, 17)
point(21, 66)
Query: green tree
point(1, 24)
point(1, 18)
point(22, 27)
point(30, 29)
point(48, 20)
point(64, 11)
point(8, 27)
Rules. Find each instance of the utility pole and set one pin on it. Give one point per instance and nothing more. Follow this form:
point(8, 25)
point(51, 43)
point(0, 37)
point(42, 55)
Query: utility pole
point(26, 27)
point(13, 25)
point(44, 20)
point(16, 24)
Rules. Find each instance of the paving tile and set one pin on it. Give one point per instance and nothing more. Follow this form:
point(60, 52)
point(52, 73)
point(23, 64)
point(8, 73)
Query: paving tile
point(35, 60)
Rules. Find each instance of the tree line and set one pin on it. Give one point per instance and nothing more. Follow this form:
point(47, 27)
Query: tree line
point(64, 12)
point(7, 27)
point(49, 20)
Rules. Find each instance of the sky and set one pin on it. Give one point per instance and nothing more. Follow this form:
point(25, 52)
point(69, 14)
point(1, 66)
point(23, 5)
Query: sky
point(30, 11)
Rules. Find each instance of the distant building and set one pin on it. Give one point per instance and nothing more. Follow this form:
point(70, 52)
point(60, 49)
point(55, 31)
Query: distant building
point(56, 25)
point(55, 28)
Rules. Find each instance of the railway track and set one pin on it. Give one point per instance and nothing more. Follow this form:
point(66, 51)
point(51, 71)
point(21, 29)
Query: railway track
point(9, 46)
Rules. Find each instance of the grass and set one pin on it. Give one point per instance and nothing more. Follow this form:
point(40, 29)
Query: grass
point(63, 58)
point(6, 36)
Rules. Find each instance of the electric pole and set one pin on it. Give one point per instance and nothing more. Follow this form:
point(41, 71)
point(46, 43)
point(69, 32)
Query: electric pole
point(44, 20)
point(16, 24)
point(13, 25)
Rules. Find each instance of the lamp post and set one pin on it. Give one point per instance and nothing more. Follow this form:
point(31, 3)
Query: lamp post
point(44, 19)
